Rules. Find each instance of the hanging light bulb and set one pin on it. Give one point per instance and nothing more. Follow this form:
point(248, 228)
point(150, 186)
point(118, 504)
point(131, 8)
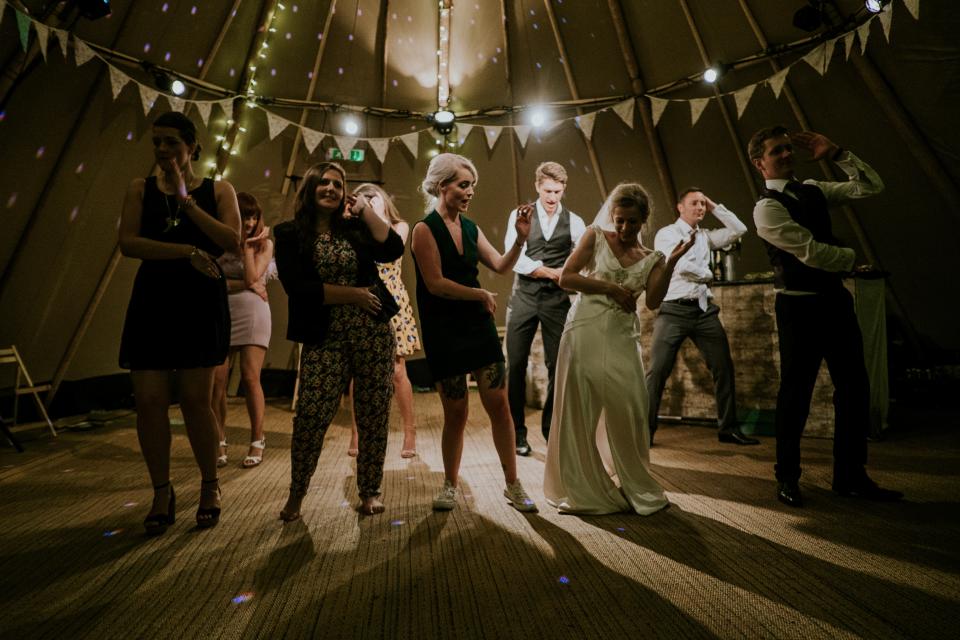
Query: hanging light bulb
point(876, 6)
point(538, 117)
point(351, 127)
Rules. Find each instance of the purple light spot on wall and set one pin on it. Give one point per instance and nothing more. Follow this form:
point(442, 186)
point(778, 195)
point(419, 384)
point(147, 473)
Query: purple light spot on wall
point(110, 534)
point(359, 12)
point(350, 37)
point(193, 10)
point(621, 529)
point(166, 57)
point(395, 83)
point(233, 14)
point(40, 152)
point(396, 523)
point(79, 168)
point(129, 135)
point(320, 36)
point(340, 70)
point(539, 66)
point(273, 72)
point(165, 6)
point(532, 12)
point(499, 50)
point(232, 72)
point(536, 26)
point(73, 213)
point(310, 75)
point(288, 35)
point(199, 62)
point(146, 48)
point(3, 116)
point(296, 8)
point(564, 580)
point(409, 18)
point(494, 59)
point(12, 200)
point(243, 597)
point(266, 173)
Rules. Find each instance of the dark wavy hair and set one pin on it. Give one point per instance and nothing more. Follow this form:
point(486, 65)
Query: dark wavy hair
point(250, 208)
point(184, 126)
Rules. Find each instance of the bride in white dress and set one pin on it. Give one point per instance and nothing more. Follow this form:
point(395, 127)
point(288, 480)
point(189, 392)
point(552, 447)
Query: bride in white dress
point(598, 454)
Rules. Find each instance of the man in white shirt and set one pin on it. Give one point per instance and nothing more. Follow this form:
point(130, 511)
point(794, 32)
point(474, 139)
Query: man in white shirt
point(815, 313)
point(688, 310)
point(537, 298)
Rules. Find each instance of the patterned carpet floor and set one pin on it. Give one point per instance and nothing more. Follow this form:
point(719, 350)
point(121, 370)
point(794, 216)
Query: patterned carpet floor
point(726, 560)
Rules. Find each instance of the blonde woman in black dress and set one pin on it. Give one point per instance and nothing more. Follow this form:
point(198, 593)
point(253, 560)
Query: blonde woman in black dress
point(177, 223)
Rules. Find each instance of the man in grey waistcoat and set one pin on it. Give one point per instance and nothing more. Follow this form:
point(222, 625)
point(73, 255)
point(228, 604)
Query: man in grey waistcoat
point(537, 298)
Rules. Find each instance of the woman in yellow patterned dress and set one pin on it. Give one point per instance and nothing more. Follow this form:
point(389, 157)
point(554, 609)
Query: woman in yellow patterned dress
point(404, 326)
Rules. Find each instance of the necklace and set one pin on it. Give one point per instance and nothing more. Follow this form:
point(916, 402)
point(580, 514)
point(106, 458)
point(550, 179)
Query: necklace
point(173, 217)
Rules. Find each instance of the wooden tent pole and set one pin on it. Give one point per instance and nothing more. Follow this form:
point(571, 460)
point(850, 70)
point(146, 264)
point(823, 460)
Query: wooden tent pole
point(107, 276)
point(745, 165)
point(311, 88)
point(571, 84)
point(646, 116)
point(514, 164)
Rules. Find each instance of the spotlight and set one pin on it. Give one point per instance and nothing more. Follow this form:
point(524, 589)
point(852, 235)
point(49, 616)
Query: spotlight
point(809, 18)
point(876, 6)
point(93, 9)
point(538, 117)
point(443, 121)
point(178, 88)
point(351, 127)
point(711, 75)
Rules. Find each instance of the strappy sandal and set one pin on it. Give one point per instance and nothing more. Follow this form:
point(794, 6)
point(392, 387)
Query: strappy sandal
point(252, 461)
point(222, 458)
point(209, 516)
point(157, 523)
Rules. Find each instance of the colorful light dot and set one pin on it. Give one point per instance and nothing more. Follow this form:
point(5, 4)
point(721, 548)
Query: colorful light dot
point(395, 83)
point(621, 529)
point(288, 35)
point(127, 505)
point(199, 62)
point(74, 212)
point(243, 597)
point(539, 66)
point(165, 7)
point(79, 168)
point(129, 135)
point(536, 26)
point(310, 75)
point(396, 523)
point(232, 72)
point(110, 534)
point(320, 36)
point(273, 72)
point(564, 580)
point(266, 173)
point(3, 116)
point(166, 57)
point(350, 37)
point(12, 200)
point(40, 152)
point(193, 10)
point(340, 70)
point(296, 8)
point(146, 47)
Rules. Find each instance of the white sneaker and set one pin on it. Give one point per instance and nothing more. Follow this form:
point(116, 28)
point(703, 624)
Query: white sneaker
point(447, 498)
point(518, 497)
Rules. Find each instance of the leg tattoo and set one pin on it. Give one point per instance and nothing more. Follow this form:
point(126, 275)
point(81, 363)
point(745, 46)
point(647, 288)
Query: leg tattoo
point(493, 376)
point(454, 387)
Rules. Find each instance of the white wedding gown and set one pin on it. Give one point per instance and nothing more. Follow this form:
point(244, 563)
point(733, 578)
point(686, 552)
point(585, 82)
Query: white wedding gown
point(598, 453)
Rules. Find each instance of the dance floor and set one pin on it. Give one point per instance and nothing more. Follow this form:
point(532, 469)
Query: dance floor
point(725, 560)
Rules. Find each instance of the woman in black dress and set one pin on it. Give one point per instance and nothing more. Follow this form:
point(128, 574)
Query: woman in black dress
point(178, 319)
point(456, 319)
point(326, 261)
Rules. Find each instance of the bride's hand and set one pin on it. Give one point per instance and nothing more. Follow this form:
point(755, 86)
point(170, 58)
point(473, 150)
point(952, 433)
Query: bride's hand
point(625, 299)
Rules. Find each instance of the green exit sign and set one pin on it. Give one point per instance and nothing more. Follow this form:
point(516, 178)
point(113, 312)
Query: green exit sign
point(334, 154)
point(356, 155)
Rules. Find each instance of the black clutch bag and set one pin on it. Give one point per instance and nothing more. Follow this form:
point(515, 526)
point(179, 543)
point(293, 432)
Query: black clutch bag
point(388, 305)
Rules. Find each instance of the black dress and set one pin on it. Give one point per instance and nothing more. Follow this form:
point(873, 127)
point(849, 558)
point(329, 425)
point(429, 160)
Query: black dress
point(178, 318)
point(459, 336)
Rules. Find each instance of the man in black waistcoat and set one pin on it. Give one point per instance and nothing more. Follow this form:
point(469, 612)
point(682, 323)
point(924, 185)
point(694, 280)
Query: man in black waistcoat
point(537, 298)
point(815, 314)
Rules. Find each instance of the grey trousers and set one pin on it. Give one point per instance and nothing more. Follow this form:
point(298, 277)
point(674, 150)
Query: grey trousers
point(675, 323)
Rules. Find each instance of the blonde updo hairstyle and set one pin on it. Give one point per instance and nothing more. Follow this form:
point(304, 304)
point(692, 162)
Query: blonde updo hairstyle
point(442, 171)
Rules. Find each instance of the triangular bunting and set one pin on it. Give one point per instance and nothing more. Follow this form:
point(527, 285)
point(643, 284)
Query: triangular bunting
point(204, 108)
point(886, 19)
point(864, 32)
point(412, 142)
point(523, 134)
point(776, 81)
point(43, 36)
point(742, 98)
point(697, 106)
point(829, 45)
point(118, 80)
point(63, 37)
point(463, 130)
point(82, 51)
point(848, 44)
point(657, 106)
point(625, 111)
point(586, 122)
point(492, 134)
point(227, 106)
point(23, 26)
point(311, 138)
point(148, 97)
point(345, 143)
point(275, 123)
point(914, 7)
point(176, 104)
point(380, 147)
point(816, 59)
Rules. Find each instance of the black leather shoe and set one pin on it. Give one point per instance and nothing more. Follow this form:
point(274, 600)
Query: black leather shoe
point(523, 449)
point(866, 489)
point(789, 494)
point(735, 436)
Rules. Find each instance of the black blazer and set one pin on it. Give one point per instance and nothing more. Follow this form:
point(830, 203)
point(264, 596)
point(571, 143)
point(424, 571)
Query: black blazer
point(308, 318)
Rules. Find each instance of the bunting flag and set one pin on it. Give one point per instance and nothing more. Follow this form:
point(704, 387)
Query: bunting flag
point(523, 134)
point(176, 104)
point(226, 105)
point(829, 46)
point(625, 111)
point(63, 37)
point(412, 142)
point(380, 146)
point(776, 81)
point(586, 122)
point(697, 105)
point(886, 19)
point(864, 32)
point(742, 98)
point(43, 36)
point(914, 7)
point(82, 52)
point(275, 124)
point(23, 26)
point(118, 80)
point(657, 106)
point(204, 108)
point(848, 44)
point(311, 138)
point(148, 98)
point(463, 130)
point(492, 134)
point(345, 143)
point(816, 58)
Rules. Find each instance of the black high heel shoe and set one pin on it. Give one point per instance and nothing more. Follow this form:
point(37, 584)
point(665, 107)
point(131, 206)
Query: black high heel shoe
point(157, 523)
point(209, 516)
